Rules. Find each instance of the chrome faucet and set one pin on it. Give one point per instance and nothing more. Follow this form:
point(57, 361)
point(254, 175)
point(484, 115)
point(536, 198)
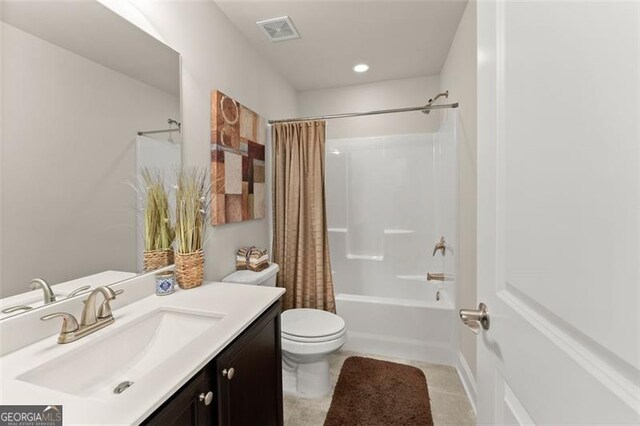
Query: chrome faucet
point(90, 320)
point(89, 316)
point(440, 246)
point(46, 289)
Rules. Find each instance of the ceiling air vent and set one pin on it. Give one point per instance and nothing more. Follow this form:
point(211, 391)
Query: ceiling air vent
point(279, 29)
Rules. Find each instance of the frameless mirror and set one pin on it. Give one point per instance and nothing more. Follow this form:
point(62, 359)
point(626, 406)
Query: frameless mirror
point(78, 84)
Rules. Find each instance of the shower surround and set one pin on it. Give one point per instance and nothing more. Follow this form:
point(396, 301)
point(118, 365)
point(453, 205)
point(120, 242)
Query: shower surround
point(389, 200)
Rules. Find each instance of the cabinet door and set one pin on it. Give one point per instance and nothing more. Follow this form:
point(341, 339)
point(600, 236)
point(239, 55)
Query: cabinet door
point(249, 376)
point(188, 406)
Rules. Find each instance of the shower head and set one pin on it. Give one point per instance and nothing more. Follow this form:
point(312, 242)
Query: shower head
point(431, 101)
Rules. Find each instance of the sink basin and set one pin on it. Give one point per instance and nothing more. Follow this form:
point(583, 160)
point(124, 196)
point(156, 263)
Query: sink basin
point(126, 353)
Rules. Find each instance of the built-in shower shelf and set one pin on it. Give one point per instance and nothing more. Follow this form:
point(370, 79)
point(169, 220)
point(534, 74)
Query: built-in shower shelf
point(412, 277)
point(365, 257)
point(386, 231)
point(422, 279)
point(398, 231)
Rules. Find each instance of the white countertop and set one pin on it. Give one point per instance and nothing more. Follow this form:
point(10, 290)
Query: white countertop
point(240, 305)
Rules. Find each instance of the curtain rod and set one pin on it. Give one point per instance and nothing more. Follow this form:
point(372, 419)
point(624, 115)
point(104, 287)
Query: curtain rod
point(424, 108)
point(150, 132)
point(170, 121)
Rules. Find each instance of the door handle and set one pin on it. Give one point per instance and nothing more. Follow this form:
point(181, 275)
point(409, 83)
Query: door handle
point(476, 318)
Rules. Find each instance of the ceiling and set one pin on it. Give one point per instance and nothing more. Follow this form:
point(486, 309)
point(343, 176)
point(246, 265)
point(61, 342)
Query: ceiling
point(397, 39)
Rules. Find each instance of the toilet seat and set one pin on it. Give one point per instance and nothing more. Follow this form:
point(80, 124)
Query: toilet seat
point(320, 339)
point(312, 349)
point(311, 325)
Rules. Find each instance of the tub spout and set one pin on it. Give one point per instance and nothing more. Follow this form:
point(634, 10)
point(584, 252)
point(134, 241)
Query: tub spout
point(438, 276)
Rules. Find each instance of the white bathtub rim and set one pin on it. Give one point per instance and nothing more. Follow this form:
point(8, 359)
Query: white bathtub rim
point(444, 303)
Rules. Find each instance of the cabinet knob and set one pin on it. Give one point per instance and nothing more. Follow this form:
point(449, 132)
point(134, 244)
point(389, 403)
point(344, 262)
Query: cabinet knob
point(228, 373)
point(206, 398)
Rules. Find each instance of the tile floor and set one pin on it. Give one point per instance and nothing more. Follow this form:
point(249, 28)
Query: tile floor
point(449, 403)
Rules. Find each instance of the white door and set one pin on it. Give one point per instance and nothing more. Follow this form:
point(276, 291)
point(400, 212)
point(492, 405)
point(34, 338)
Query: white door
point(559, 212)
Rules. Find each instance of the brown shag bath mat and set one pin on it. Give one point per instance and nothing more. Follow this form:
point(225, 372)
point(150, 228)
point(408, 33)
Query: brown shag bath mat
point(371, 392)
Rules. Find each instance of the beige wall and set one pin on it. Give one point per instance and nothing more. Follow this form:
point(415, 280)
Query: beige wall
point(216, 56)
point(373, 96)
point(458, 75)
point(68, 147)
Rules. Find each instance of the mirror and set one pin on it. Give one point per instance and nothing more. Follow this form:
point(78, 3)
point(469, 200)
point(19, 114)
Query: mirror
point(78, 84)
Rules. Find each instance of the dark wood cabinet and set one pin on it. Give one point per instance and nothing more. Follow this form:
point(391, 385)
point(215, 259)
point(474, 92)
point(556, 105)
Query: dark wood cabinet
point(245, 380)
point(249, 376)
point(188, 405)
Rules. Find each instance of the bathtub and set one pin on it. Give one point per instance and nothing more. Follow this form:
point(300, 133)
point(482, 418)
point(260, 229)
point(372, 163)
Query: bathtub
point(390, 199)
point(420, 328)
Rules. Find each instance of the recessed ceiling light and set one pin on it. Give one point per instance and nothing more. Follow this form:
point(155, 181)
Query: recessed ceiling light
point(361, 68)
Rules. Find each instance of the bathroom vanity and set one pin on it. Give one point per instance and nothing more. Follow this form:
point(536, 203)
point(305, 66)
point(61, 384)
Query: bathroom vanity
point(241, 386)
point(208, 355)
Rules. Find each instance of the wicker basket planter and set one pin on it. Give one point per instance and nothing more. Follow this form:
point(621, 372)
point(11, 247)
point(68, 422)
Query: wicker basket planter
point(156, 259)
point(189, 269)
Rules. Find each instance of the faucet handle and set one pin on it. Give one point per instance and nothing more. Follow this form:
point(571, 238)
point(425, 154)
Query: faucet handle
point(17, 308)
point(78, 291)
point(69, 322)
point(440, 246)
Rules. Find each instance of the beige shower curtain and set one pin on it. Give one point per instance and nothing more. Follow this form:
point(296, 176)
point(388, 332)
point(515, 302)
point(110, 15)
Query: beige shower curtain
point(300, 242)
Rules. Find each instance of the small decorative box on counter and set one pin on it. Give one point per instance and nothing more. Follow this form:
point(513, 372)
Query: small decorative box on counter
point(165, 283)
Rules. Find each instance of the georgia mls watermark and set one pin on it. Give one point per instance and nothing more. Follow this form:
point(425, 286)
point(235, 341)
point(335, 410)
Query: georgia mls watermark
point(30, 415)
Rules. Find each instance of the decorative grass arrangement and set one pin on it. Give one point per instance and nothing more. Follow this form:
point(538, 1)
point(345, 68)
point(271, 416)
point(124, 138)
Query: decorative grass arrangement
point(191, 224)
point(158, 231)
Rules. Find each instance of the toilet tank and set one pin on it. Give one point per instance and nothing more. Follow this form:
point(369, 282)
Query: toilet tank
point(266, 277)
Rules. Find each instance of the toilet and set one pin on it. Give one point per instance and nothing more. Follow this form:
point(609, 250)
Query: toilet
point(309, 336)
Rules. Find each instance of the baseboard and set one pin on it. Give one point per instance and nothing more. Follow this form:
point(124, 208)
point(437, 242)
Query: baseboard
point(467, 379)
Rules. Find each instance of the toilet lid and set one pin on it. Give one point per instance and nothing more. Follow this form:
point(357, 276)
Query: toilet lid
point(310, 323)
